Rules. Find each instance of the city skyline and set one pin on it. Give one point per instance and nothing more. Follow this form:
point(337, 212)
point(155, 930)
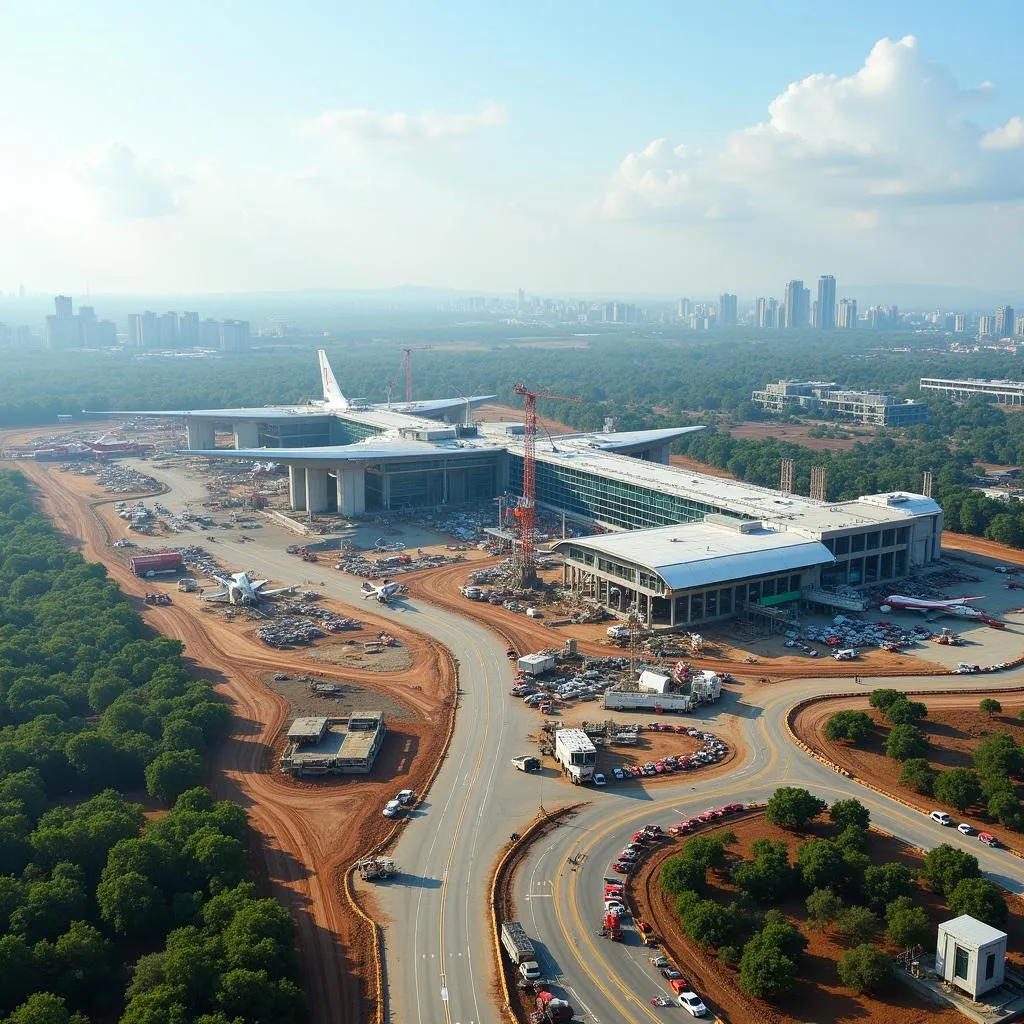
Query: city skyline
point(398, 145)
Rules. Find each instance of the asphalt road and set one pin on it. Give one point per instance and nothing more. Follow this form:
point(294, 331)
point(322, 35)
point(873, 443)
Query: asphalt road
point(438, 944)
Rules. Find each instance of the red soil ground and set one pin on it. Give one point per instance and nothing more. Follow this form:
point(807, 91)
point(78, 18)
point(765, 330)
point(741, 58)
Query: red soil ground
point(820, 996)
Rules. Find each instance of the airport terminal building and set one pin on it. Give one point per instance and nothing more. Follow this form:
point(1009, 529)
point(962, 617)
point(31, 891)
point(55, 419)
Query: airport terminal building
point(751, 545)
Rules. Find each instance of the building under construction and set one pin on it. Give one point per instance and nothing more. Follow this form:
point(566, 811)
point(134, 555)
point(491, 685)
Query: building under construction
point(873, 408)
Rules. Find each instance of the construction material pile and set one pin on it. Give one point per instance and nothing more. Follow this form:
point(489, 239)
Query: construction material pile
point(325, 618)
point(392, 565)
point(288, 631)
point(118, 479)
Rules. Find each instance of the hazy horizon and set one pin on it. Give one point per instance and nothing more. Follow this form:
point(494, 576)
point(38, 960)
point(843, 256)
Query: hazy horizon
point(656, 150)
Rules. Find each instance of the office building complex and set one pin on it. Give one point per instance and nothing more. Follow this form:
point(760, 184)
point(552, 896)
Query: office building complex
point(875, 408)
point(826, 318)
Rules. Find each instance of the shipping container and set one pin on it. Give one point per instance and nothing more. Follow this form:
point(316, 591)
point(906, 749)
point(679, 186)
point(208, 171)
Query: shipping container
point(160, 561)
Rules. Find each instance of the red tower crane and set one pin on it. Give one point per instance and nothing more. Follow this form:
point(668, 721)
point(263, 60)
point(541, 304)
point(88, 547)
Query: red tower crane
point(408, 369)
point(526, 513)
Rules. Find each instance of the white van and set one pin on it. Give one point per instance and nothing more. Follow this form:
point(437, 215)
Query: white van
point(845, 654)
point(941, 818)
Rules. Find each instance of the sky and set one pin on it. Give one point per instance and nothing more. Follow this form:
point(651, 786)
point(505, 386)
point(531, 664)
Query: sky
point(590, 147)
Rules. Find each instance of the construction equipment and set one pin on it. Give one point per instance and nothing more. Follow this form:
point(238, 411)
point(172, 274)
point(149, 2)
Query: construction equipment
point(526, 512)
point(408, 369)
point(374, 869)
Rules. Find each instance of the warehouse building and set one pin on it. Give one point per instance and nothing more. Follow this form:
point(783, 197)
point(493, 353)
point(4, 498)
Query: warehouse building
point(334, 746)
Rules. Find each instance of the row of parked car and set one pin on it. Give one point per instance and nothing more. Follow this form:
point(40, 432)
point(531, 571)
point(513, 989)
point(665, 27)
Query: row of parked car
point(942, 818)
point(680, 828)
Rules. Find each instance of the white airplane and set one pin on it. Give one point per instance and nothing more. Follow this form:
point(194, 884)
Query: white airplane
point(385, 593)
point(959, 606)
point(239, 589)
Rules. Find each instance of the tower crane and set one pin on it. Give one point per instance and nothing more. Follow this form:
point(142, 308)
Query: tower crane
point(408, 369)
point(388, 388)
point(526, 512)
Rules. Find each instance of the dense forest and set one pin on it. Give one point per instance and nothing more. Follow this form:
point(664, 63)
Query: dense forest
point(643, 377)
point(103, 913)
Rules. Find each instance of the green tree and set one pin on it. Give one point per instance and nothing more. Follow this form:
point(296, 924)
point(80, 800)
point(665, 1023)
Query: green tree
point(854, 726)
point(884, 883)
point(981, 899)
point(990, 706)
point(864, 968)
point(44, 1008)
point(945, 866)
point(821, 864)
point(849, 812)
point(221, 858)
point(908, 926)
point(905, 741)
point(856, 924)
point(681, 874)
point(917, 774)
point(959, 787)
point(882, 698)
point(999, 756)
point(17, 971)
point(793, 808)
point(823, 907)
point(1004, 805)
point(769, 876)
point(765, 971)
point(710, 924)
point(904, 712)
point(708, 851)
point(171, 773)
point(132, 905)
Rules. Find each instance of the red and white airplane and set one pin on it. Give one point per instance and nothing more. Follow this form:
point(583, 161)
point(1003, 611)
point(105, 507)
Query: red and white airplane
point(954, 606)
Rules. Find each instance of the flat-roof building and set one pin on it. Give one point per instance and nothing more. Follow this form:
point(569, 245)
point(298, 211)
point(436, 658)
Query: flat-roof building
point(875, 408)
point(1003, 392)
point(334, 746)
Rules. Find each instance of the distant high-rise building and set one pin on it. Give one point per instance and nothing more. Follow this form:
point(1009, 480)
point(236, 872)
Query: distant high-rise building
point(766, 312)
point(234, 335)
point(521, 299)
point(63, 306)
point(826, 318)
point(726, 310)
point(683, 309)
point(814, 312)
point(209, 334)
point(134, 330)
point(847, 313)
point(167, 325)
point(188, 330)
point(797, 305)
point(960, 323)
point(1004, 321)
point(149, 331)
point(986, 326)
point(63, 328)
point(1018, 326)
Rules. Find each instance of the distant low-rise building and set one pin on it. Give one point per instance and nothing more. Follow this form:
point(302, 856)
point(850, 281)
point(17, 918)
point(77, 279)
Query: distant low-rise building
point(334, 746)
point(874, 408)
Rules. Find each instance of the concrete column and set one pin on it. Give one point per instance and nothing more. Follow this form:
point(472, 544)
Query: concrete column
point(316, 490)
point(247, 434)
point(297, 488)
point(351, 491)
point(385, 490)
point(200, 434)
point(672, 610)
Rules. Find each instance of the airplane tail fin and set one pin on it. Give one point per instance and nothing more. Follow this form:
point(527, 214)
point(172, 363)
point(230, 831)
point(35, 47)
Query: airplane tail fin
point(332, 393)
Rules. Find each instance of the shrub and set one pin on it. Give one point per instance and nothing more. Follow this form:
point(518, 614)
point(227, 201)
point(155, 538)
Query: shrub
point(959, 787)
point(864, 969)
point(917, 774)
point(791, 807)
point(981, 899)
point(905, 741)
point(945, 866)
point(728, 955)
point(857, 924)
point(855, 726)
point(882, 698)
point(908, 926)
point(849, 812)
point(990, 706)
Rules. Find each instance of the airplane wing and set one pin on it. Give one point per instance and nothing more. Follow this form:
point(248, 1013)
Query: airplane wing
point(275, 591)
point(215, 597)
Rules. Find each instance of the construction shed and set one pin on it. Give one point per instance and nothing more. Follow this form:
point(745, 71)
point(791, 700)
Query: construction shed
point(971, 955)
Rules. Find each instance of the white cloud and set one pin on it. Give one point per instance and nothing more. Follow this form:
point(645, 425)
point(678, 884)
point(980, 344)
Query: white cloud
point(899, 131)
point(372, 126)
point(125, 187)
point(1008, 136)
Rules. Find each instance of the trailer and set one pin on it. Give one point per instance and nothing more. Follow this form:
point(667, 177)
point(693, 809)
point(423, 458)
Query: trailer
point(520, 949)
point(633, 700)
point(576, 753)
point(159, 561)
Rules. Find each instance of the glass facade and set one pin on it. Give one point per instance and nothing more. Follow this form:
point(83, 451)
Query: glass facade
point(312, 432)
point(430, 482)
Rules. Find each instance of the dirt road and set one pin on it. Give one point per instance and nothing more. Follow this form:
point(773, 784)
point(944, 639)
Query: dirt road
point(307, 832)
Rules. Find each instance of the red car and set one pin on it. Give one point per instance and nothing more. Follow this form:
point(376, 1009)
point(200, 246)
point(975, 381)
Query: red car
point(622, 867)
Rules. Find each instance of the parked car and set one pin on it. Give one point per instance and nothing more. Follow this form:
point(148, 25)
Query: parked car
point(622, 867)
point(670, 973)
point(618, 773)
point(658, 961)
point(599, 779)
point(941, 818)
point(406, 797)
point(691, 1002)
point(966, 830)
point(392, 809)
point(629, 855)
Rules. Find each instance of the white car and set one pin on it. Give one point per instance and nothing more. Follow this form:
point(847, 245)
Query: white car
point(392, 809)
point(406, 797)
point(614, 907)
point(690, 1002)
point(941, 818)
point(966, 830)
point(600, 780)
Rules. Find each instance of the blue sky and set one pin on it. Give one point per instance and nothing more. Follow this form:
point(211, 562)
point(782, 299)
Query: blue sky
point(574, 147)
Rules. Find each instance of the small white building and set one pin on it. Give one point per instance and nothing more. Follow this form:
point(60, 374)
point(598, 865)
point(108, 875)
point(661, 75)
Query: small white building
point(971, 955)
point(536, 664)
point(653, 682)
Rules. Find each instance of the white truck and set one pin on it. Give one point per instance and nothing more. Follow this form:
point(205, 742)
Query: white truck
point(520, 949)
point(577, 755)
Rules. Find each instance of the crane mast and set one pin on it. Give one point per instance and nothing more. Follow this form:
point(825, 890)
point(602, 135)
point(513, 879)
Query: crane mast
point(408, 369)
